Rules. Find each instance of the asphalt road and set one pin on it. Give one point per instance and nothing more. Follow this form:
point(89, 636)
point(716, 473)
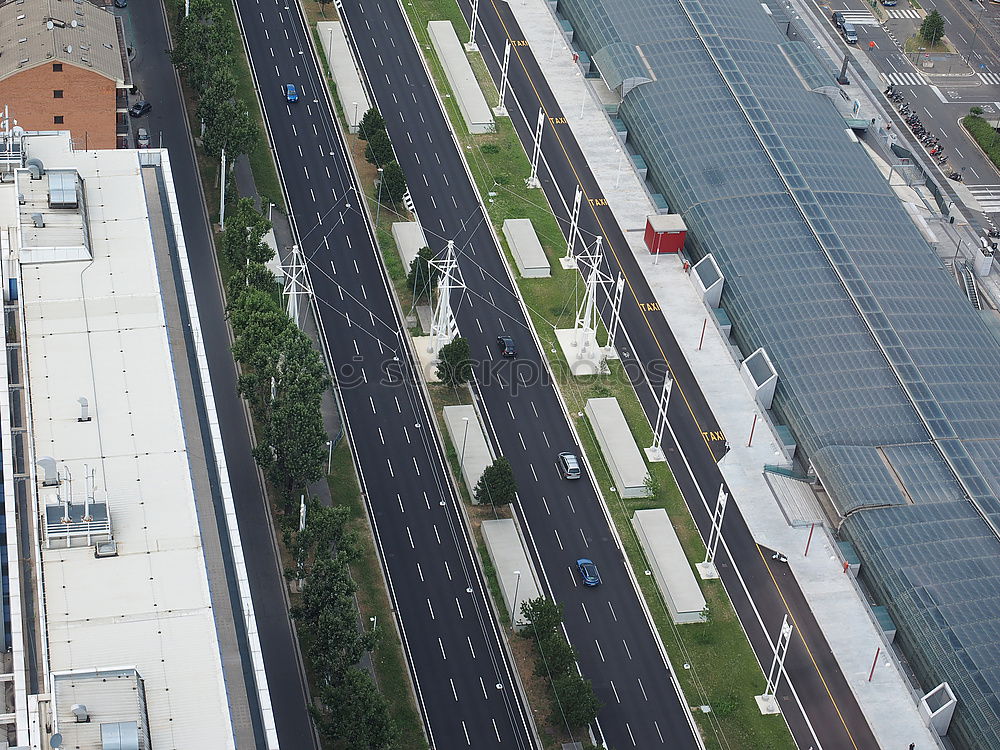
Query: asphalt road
point(155, 77)
point(617, 649)
point(822, 710)
point(453, 644)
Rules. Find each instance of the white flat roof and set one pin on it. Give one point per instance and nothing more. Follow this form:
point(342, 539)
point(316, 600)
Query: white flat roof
point(98, 331)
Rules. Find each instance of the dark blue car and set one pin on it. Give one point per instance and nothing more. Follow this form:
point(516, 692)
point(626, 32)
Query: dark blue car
point(588, 572)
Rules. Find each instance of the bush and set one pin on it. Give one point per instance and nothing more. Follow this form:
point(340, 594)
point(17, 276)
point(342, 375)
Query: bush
point(393, 182)
point(379, 149)
point(454, 366)
point(985, 135)
point(371, 122)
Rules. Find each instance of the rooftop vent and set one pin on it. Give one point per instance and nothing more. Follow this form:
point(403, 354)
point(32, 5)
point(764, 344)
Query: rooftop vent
point(107, 548)
point(36, 168)
point(21, 16)
point(80, 713)
point(59, 24)
point(39, 221)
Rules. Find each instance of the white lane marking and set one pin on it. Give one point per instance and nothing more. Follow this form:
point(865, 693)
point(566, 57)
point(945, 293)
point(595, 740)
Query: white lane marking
point(459, 604)
point(496, 730)
point(420, 573)
point(546, 504)
point(585, 614)
point(584, 536)
point(391, 474)
point(436, 535)
point(642, 688)
point(447, 569)
point(523, 446)
point(372, 401)
point(534, 409)
point(533, 472)
point(416, 467)
point(486, 695)
point(380, 435)
point(612, 611)
point(599, 651)
point(430, 607)
point(465, 729)
point(406, 434)
point(556, 532)
point(469, 639)
point(443, 654)
point(655, 724)
point(627, 652)
point(510, 409)
point(412, 546)
point(572, 576)
point(453, 691)
point(570, 501)
point(630, 735)
point(399, 499)
point(614, 690)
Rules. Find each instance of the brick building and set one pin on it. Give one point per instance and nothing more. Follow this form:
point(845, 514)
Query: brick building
point(63, 66)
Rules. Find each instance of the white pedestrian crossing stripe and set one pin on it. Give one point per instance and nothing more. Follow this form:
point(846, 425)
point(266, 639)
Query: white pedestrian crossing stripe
point(904, 79)
point(904, 13)
point(990, 79)
point(860, 18)
point(988, 197)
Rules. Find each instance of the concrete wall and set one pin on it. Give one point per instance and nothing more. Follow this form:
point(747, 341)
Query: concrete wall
point(526, 249)
point(345, 74)
point(409, 239)
point(477, 454)
point(469, 96)
point(506, 549)
point(628, 469)
point(669, 565)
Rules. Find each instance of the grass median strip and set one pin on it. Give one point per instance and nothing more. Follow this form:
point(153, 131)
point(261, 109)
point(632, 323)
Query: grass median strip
point(716, 666)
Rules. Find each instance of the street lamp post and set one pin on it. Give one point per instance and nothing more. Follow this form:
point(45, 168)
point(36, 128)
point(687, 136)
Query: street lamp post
point(357, 125)
point(329, 455)
point(465, 436)
point(513, 604)
point(975, 32)
point(378, 204)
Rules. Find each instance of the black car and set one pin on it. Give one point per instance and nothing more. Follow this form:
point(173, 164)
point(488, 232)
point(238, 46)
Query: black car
point(121, 3)
point(506, 345)
point(140, 108)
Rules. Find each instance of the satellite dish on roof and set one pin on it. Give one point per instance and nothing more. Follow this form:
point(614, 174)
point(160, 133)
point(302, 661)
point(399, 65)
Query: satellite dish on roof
point(69, 49)
point(49, 25)
point(17, 131)
point(55, 740)
point(73, 23)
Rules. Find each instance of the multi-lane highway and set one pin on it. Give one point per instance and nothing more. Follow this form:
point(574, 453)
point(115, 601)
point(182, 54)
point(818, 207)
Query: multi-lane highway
point(822, 710)
point(464, 682)
point(617, 648)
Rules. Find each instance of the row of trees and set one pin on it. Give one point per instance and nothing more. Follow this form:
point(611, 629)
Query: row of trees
point(378, 151)
point(282, 377)
point(350, 711)
point(204, 51)
point(574, 704)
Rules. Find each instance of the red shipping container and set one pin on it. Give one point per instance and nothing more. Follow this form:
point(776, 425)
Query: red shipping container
point(665, 233)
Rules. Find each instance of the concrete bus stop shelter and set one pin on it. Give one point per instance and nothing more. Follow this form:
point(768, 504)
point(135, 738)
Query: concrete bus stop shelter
point(345, 73)
point(669, 565)
point(516, 576)
point(471, 445)
point(526, 249)
point(628, 469)
point(464, 86)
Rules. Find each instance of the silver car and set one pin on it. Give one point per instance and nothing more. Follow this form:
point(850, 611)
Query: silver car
point(569, 466)
point(142, 139)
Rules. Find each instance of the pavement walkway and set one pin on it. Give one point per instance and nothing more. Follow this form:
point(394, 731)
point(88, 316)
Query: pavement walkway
point(888, 701)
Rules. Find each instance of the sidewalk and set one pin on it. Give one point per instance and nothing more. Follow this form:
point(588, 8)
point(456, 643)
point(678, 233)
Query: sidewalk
point(886, 700)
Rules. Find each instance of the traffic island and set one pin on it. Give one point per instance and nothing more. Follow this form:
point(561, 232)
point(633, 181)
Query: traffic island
point(466, 434)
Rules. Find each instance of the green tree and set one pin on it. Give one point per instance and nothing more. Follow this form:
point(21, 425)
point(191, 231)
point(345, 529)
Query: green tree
point(259, 326)
point(379, 148)
point(203, 42)
point(371, 123)
point(251, 275)
point(423, 276)
point(544, 615)
point(496, 484)
point(326, 529)
point(454, 366)
point(575, 700)
point(233, 128)
point(393, 182)
point(243, 239)
point(558, 656)
point(355, 713)
point(932, 28)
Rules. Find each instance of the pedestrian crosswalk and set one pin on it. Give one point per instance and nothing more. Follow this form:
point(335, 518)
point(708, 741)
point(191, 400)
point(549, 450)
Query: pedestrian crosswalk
point(988, 197)
point(860, 17)
point(905, 78)
point(903, 13)
point(990, 79)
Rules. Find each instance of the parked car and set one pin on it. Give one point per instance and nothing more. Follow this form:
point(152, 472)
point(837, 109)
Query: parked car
point(569, 466)
point(140, 108)
point(506, 345)
point(121, 3)
point(888, 3)
point(142, 138)
point(291, 95)
point(588, 572)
